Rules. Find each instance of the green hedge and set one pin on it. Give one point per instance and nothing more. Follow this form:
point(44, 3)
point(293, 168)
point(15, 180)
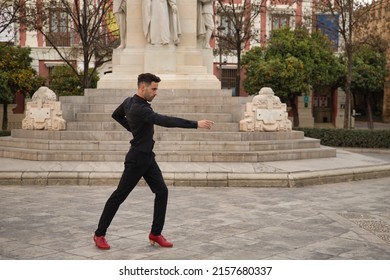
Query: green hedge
point(353, 138)
point(5, 133)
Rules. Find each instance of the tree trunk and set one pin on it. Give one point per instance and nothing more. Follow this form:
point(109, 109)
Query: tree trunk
point(294, 109)
point(347, 31)
point(238, 73)
point(347, 112)
point(370, 121)
point(4, 125)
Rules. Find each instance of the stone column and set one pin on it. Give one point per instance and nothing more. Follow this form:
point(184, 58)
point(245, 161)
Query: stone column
point(185, 66)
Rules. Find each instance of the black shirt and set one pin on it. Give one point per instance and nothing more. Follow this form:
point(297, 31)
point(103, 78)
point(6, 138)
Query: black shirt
point(137, 116)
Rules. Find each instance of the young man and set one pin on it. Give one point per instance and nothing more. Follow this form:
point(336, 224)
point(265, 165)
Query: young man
point(137, 116)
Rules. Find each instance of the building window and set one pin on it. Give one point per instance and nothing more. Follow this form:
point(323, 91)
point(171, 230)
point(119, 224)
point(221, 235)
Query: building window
point(228, 78)
point(280, 21)
point(58, 28)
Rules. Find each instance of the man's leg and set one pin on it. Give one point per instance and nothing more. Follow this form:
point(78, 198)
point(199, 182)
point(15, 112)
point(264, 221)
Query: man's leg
point(155, 180)
point(156, 183)
point(128, 181)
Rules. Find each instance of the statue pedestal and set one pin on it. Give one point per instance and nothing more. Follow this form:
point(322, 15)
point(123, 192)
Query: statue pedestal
point(185, 66)
point(160, 59)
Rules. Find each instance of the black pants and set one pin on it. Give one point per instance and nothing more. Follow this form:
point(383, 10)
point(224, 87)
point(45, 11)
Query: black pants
point(137, 165)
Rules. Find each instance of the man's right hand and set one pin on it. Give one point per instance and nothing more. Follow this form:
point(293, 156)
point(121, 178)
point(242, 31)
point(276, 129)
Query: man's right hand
point(205, 124)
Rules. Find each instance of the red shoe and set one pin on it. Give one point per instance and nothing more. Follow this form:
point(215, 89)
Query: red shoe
point(160, 240)
point(101, 242)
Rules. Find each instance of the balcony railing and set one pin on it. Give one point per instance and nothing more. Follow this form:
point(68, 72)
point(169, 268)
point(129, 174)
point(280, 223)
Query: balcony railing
point(59, 39)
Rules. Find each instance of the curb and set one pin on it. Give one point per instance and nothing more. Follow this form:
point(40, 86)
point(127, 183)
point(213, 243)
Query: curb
point(206, 179)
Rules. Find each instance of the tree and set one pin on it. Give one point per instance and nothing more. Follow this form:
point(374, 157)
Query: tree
point(368, 75)
point(9, 14)
point(236, 26)
point(375, 24)
point(293, 62)
point(63, 81)
point(86, 22)
point(349, 14)
point(286, 76)
point(16, 74)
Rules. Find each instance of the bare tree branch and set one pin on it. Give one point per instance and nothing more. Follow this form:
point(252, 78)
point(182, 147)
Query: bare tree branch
point(84, 22)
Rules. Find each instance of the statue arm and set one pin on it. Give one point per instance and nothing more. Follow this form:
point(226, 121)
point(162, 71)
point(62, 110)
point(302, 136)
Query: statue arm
point(173, 5)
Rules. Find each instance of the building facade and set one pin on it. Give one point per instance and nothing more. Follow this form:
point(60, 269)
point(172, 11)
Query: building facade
point(378, 24)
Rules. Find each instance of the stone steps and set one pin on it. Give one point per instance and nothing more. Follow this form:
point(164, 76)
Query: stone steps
point(110, 126)
point(104, 117)
point(169, 156)
point(164, 135)
point(92, 134)
point(205, 146)
point(166, 108)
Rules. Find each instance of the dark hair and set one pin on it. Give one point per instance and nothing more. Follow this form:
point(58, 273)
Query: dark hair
point(147, 78)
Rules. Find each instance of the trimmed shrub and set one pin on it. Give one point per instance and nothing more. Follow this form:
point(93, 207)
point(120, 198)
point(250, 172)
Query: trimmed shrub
point(353, 138)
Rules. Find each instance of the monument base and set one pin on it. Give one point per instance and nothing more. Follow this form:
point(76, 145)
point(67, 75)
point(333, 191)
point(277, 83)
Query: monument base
point(178, 68)
point(168, 81)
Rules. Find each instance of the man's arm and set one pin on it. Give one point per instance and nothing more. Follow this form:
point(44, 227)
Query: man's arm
point(120, 116)
point(168, 121)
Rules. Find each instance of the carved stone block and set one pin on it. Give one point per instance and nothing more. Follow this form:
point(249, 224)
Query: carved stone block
point(265, 113)
point(44, 112)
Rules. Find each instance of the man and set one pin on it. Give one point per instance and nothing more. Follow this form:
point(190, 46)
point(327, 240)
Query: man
point(137, 116)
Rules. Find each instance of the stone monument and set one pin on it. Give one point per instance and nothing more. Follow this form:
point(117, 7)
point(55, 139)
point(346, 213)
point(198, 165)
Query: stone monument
point(266, 113)
point(44, 111)
point(175, 57)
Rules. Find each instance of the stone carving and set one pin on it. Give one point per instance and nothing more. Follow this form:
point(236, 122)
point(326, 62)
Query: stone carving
point(161, 23)
point(44, 112)
point(205, 22)
point(266, 113)
point(119, 10)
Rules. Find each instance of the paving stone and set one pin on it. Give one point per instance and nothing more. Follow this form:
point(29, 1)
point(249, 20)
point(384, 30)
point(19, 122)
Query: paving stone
point(331, 221)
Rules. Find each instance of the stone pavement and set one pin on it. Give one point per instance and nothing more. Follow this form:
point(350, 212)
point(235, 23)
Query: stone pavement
point(349, 220)
point(342, 212)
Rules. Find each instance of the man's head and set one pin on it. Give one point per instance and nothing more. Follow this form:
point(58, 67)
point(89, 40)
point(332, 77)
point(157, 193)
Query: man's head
point(147, 78)
point(147, 86)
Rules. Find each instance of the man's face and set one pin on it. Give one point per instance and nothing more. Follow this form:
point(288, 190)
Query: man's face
point(149, 91)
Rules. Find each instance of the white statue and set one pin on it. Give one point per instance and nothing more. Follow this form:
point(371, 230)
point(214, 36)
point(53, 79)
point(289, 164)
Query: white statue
point(205, 22)
point(158, 17)
point(119, 10)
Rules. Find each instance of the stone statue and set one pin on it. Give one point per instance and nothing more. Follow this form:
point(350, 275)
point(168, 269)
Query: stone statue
point(119, 10)
point(205, 22)
point(266, 113)
point(44, 111)
point(161, 22)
